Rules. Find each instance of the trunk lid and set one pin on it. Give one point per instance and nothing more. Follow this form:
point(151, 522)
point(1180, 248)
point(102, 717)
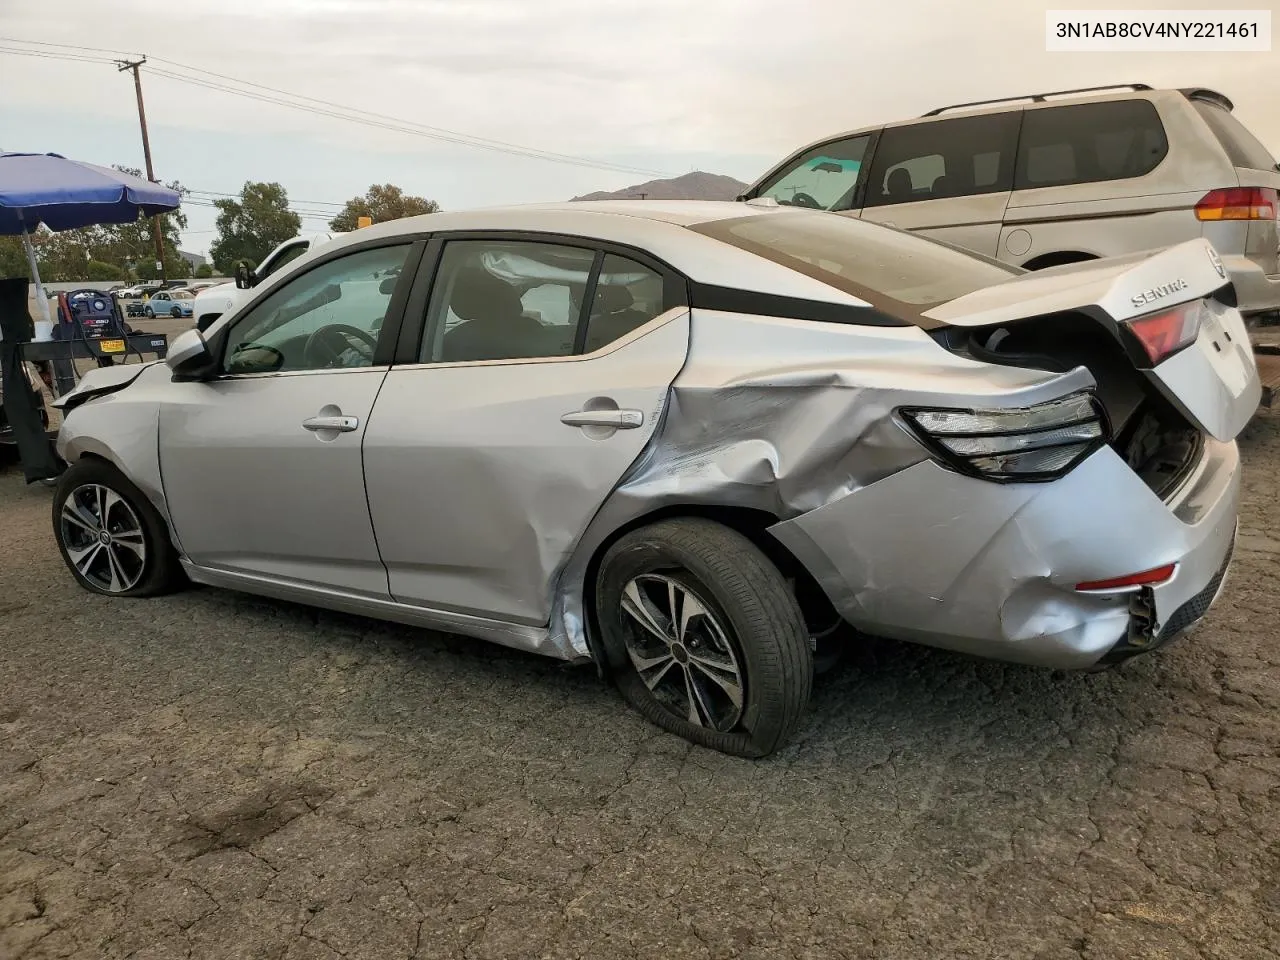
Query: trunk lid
point(1213, 380)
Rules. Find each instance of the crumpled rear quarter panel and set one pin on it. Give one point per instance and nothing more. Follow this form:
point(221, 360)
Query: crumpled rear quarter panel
point(786, 416)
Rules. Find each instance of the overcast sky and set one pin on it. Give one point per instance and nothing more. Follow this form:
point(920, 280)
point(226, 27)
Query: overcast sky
point(665, 85)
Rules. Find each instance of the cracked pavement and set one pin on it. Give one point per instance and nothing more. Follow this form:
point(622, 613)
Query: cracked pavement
point(210, 775)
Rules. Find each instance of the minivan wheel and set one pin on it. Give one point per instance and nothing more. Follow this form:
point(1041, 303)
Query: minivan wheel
point(703, 636)
point(110, 537)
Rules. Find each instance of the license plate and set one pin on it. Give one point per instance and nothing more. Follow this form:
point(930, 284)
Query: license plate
point(111, 346)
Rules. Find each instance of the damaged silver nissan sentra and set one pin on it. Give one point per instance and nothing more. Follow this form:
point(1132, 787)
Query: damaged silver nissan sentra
point(699, 443)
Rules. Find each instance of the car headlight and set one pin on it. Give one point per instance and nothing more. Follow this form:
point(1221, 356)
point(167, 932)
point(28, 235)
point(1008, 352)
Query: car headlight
point(1018, 444)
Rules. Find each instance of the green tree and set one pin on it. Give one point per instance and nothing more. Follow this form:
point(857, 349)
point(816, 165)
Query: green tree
point(97, 270)
point(204, 271)
point(382, 202)
point(13, 258)
point(252, 226)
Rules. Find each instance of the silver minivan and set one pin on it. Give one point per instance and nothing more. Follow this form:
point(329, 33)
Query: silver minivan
point(1054, 178)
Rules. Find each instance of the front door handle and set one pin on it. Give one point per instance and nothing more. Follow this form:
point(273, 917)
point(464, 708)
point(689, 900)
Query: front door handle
point(615, 419)
point(339, 424)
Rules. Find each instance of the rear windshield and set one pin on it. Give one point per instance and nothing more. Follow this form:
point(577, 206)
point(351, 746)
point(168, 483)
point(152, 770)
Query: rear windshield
point(1243, 148)
point(867, 260)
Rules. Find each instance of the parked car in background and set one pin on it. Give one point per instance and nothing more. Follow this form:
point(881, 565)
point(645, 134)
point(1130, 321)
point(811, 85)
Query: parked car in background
point(687, 440)
point(1059, 178)
point(214, 301)
point(172, 303)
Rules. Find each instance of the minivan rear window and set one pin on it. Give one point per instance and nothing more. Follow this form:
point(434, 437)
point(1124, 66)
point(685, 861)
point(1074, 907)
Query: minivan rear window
point(1242, 147)
point(867, 260)
point(1089, 142)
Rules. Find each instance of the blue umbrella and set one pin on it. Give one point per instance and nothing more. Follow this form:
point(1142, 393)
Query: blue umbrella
point(62, 194)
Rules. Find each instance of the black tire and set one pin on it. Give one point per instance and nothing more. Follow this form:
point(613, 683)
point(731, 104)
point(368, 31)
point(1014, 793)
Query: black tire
point(148, 313)
point(750, 604)
point(157, 569)
point(175, 312)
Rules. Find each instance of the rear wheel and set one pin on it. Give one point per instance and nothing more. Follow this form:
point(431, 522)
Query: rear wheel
point(148, 313)
point(704, 637)
point(110, 537)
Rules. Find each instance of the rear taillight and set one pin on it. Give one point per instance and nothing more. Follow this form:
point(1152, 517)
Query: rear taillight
point(1168, 331)
point(1238, 203)
point(1022, 443)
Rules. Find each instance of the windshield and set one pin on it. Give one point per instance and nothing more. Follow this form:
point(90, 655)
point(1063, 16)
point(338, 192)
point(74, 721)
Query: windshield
point(867, 260)
point(822, 178)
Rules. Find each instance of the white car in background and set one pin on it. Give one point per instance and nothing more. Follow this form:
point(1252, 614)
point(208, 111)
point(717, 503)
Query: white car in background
point(212, 302)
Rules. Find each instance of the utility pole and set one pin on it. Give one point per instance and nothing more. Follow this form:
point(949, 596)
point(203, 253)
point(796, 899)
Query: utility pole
point(146, 153)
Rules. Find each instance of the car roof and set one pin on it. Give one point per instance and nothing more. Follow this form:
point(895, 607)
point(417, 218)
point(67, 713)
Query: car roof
point(656, 227)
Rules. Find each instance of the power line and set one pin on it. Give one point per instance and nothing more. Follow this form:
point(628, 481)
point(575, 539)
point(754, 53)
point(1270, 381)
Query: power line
point(328, 108)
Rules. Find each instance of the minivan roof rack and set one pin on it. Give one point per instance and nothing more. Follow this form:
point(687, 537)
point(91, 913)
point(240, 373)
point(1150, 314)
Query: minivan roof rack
point(1040, 97)
point(1210, 96)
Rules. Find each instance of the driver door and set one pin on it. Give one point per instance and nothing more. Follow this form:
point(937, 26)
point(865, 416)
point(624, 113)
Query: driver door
point(262, 464)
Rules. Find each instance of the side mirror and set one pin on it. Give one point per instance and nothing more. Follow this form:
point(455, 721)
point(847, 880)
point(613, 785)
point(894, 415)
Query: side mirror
point(188, 356)
point(245, 278)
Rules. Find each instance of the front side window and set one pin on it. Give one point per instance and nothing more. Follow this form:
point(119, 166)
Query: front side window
point(824, 178)
point(864, 259)
point(957, 157)
point(327, 318)
point(285, 256)
point(1089, 142)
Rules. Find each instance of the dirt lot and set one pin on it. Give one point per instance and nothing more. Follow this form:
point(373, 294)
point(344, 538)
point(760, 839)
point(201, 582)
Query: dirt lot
point(211, 775)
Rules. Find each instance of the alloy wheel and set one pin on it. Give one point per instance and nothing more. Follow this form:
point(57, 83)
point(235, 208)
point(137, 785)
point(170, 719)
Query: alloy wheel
point(682, 652)
point(103, 537)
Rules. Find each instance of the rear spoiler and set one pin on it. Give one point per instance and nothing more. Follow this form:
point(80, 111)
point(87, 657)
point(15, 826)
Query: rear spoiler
point(1206, 95)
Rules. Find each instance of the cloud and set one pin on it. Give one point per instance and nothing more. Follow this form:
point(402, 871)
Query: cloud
point(657, 81)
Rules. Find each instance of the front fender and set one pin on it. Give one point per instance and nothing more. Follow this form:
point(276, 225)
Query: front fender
point(101, 381)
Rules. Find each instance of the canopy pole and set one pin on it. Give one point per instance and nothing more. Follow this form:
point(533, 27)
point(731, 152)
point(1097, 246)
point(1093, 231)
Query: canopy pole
point(42, 301)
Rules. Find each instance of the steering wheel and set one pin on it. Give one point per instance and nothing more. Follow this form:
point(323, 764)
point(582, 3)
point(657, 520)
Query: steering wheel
point(805, 200)
point(325, 347)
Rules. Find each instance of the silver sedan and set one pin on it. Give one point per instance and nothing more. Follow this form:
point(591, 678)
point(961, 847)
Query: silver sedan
point(706, 446)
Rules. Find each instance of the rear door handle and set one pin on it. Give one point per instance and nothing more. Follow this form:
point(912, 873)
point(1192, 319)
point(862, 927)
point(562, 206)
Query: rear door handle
point(340, 424)
point(616, 419)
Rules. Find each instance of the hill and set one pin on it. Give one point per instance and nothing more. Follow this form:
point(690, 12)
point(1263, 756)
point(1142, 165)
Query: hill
point(690, 186)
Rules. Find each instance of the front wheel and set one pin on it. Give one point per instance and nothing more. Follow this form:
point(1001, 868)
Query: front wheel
point(175, 313)
point(704, 637)
point(110, 536)
point(148, 313)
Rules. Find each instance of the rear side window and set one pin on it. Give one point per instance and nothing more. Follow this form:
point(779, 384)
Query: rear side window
point(1242, 147)
point(943, 158)
point(1089, 142)
point(824, 178)
point(867, 260)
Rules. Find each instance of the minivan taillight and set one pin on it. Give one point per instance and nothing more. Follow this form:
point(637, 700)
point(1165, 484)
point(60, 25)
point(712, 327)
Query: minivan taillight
point(1238, 203)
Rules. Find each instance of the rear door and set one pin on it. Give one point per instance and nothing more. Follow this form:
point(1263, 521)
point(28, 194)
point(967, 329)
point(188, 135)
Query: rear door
point(949, 179)
point(539, 374)
point(1102, 179)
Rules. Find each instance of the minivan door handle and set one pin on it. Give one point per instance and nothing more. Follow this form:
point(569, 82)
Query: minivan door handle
point(615, 419)
point(339, 424)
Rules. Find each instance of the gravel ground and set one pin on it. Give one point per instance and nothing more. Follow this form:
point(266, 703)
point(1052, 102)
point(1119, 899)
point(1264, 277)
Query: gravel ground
point(210, 775)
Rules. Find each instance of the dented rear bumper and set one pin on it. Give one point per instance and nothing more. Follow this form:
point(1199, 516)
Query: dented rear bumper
point(990, 569)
